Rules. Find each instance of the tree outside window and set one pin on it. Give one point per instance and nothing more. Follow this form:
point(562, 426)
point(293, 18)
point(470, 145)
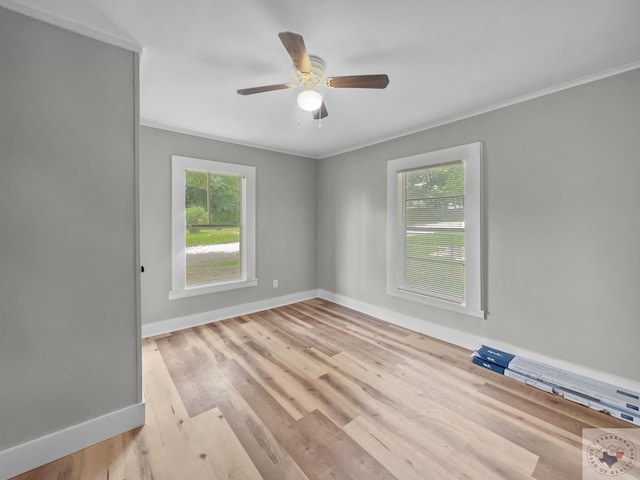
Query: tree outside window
point(212, 237)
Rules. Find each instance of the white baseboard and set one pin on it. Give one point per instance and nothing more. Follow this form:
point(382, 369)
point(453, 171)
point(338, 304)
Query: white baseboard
point(188, 321)
point(42, 450)
point(471, 341)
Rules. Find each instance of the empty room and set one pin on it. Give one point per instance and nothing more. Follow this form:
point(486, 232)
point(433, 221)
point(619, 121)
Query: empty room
point(290, 240)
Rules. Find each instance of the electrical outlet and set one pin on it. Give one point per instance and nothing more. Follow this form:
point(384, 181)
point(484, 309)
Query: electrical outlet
point(275, 283)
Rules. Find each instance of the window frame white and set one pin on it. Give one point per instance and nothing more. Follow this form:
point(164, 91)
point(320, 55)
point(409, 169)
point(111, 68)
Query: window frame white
point(471, 155)
point(179, 166)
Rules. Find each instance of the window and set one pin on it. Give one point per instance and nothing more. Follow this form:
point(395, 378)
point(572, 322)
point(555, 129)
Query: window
point(434, 252)
point(213, 226)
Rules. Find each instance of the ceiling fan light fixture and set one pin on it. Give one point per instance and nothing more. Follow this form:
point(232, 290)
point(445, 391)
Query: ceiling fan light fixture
point(309, 100)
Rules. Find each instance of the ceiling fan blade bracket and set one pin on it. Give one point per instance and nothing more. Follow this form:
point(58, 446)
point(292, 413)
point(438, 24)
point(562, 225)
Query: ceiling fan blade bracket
point(315, 77)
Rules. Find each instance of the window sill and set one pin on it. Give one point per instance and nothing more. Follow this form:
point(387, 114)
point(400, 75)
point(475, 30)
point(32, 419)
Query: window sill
point(207, 289)
point(434, 302)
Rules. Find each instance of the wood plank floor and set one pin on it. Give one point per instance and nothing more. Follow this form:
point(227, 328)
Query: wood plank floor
point(313, 391)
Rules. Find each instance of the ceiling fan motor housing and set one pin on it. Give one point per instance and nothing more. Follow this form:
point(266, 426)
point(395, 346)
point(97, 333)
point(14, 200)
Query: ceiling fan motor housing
point(316, 75)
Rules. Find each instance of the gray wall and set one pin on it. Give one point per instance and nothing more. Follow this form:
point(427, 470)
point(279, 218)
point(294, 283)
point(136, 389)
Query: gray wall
point(562, 184)
point(562, 195)
point(68, 328)
point(286, 223)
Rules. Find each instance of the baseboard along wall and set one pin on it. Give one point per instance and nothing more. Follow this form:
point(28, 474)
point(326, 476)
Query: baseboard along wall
point(197, 319)
point(42, 450)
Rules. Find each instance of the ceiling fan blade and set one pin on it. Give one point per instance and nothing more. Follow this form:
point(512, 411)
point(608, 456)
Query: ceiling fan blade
point(294, 44)
point(321, 112)
point(265, 88)
point(358, 81)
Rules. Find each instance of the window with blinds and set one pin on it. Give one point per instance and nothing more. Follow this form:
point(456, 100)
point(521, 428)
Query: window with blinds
point(434, 228)
point(431, 231)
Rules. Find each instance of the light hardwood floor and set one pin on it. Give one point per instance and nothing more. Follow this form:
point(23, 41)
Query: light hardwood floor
point(314, 390)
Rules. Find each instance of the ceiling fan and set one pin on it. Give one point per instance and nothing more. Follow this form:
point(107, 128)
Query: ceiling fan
point(309, 71)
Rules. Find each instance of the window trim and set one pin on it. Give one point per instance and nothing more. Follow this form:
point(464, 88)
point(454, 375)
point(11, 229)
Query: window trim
point(179, 165)
point(471, 156)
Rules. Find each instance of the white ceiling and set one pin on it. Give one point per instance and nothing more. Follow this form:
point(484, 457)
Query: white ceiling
point(445, 59)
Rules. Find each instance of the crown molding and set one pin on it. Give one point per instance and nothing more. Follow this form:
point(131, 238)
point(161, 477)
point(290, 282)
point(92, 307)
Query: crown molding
point(70, 25)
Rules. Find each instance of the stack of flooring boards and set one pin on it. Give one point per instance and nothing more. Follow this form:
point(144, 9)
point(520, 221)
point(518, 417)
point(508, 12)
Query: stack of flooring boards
point(617, 402)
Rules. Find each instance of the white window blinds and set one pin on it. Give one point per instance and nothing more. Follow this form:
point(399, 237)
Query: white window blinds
point(432, 231)
point(434, 223)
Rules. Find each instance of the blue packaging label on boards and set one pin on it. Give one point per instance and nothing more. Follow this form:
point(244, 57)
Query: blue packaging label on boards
point(496, 356)
point(488, 365)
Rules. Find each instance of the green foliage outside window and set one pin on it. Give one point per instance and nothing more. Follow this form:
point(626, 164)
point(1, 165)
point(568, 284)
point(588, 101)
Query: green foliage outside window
point(217, 195)
point(442, 181)
point(212, 213)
